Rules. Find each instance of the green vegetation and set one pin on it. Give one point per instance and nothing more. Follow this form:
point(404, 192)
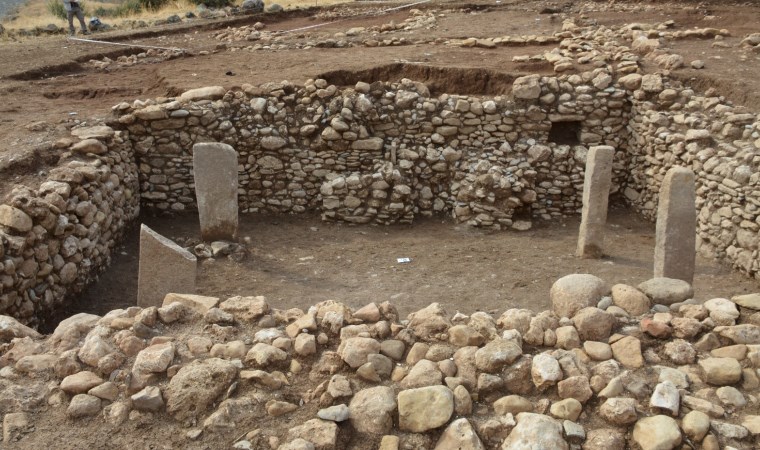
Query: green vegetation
point(56, 8)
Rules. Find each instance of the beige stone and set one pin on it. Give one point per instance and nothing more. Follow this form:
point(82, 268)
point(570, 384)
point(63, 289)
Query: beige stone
point(424, 408)
point(459, 435)
point(164, 267)
point(204, 93)
point(657, 433)
point(628, 352)
point(573, 292)
point(198, 303)
point(633, 301)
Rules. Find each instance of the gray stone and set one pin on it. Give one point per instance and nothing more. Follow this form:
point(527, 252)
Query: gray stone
point(165, 267)
point(596, 190)
point(666, 397)
point(83, 405)
point(674, 252)
point(216, 183)
point(148, 399)
point(545, 371)
point(666, 291)
point(337, 413)
point(11, 328)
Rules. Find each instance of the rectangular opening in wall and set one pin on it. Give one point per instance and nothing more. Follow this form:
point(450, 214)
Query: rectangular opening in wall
point(565, 133)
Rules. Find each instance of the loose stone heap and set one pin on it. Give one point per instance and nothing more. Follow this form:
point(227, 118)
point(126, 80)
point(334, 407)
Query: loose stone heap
point(644, 366)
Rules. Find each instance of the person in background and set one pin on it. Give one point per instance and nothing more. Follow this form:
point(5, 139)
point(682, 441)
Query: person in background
point(73, 9)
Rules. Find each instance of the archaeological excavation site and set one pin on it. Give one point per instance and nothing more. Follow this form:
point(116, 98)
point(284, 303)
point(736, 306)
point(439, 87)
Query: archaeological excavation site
point(517, 225)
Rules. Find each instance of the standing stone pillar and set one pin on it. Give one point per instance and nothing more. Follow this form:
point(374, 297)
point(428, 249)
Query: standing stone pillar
point(215, 168)
point(674, 251)
point(164, 267)
point(596, 192)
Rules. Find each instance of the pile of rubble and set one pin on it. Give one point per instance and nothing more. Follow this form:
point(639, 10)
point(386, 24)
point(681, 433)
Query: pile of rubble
point(146, 57)
point(606, 368)
point(357, 36)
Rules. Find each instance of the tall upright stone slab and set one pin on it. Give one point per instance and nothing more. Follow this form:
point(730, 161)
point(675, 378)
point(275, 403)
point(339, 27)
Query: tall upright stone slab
point(164, 267)
point(596, 191)
point(674, 251)
point(216, 181)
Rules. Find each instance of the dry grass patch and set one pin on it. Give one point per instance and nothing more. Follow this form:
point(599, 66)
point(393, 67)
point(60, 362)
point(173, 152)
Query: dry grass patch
point(36, 13)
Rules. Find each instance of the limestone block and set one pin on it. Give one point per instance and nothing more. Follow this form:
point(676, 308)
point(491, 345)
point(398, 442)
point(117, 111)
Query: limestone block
point(676, 226)
point(216, 182)
point(596, 190)
point(164, 267)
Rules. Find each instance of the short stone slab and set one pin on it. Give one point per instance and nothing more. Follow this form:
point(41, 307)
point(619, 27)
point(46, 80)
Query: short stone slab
point(198, 303)
point(216, 182)
point(751, 301)
point(165, 267)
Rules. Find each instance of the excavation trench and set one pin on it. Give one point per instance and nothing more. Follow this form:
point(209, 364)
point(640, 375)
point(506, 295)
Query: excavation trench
point(440, 158)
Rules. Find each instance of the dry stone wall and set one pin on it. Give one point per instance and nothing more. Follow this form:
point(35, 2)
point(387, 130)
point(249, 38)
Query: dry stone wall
point(56, 238)
point(389, 152)
point(385, 152)
point(672, 126)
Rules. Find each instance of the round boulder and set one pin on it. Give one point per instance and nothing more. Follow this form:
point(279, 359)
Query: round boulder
point(574, 292)
point(666, 291)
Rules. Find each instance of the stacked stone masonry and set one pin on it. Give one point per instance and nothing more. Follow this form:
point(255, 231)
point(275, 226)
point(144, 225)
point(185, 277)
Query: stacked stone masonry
point(387, 152)
point(55, 239)
point(383, 152)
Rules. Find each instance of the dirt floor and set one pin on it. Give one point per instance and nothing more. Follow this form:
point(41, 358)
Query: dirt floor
point(297, 261)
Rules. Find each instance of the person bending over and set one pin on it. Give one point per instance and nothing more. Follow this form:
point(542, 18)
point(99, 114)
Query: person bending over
point(73, 9)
